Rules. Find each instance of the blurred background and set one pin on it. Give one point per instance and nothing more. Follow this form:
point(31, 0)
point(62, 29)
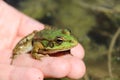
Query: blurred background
point(95, 23)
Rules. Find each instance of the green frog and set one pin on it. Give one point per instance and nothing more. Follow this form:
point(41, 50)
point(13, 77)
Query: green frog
point(45, 42)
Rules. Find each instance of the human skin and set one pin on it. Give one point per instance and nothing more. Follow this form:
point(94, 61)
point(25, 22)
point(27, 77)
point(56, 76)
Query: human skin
point(13, 26)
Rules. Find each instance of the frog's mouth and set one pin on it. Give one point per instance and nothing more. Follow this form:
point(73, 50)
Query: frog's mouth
point(55, 53)
point(61, 53)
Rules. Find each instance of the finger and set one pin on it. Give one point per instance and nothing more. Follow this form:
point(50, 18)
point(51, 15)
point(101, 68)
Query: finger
point(8, 72)
point(78, 51)
point(17, 20)
point(13, 23)
point(53, 67)
point(50, 66)
point(77, 68)
point(26, 74)
point(5, 56)
point(8, 24)
point(27, 25)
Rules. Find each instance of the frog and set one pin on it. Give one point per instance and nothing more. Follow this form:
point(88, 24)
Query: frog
point(44, 42)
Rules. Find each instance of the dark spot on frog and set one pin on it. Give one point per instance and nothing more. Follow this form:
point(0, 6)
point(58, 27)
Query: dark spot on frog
point(50, 44)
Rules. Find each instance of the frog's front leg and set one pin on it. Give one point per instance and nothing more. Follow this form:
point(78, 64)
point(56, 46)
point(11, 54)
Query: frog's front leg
point(35, 51)
point(37, 56)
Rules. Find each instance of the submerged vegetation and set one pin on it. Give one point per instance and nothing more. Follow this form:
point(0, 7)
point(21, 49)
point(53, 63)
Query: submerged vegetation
point(96, 24)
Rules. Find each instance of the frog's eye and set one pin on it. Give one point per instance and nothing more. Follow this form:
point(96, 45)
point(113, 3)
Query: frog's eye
point(59, 40)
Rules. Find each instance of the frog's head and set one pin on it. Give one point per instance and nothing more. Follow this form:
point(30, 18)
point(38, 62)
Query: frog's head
point(55, 40)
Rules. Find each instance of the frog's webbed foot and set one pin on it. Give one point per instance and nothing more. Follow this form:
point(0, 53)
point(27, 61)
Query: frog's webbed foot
point(38, 56)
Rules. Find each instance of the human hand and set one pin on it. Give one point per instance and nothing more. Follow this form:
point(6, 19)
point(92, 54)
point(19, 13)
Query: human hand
point(14, 26)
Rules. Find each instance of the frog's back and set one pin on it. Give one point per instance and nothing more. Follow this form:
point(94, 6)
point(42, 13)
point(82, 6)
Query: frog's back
point(50, 33)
